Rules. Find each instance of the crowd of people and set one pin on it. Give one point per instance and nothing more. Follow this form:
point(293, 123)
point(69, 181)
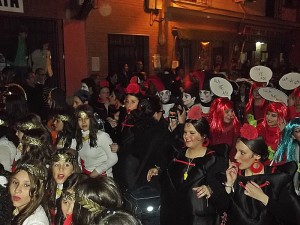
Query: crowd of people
point(213, 159)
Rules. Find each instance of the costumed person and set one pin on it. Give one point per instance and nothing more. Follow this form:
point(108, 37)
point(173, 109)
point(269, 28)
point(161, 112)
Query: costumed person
point(27, 189)
point(294, 104)
point(81, 97)
point(64, 163)
point(288, 149)
point(88, 84)
point(93, 145)
point(186, 194)
point(272, 125)
point(29, 122)
point(125, 134)
point(154, 84)
point(151, 144)
point(258, 194)
point(224, 127)
point(65, 203)
point(255, 108)
point(64, 126)
point(206, 96)
point(116, 106)
point(92, 196)
point(132, 97)
point(167, 104)
point(35, 144)
point(190, 95)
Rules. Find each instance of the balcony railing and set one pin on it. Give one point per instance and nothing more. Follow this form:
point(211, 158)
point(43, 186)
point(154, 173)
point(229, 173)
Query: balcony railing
point(194, 2)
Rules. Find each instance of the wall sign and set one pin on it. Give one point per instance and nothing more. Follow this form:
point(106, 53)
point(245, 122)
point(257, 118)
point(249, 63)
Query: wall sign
point(12, 6)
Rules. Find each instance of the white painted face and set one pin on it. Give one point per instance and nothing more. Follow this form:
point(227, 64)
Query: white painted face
point(84, 87)
point(164, 96)
point(205, 96)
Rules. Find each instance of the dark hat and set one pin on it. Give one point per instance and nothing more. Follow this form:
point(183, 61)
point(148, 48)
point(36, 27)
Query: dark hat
point(89, 82)
point(83, 95)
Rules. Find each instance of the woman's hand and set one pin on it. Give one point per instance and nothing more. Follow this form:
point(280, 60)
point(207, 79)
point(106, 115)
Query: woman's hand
point(113, 123)
point(231, 174)
point(181, 116)
point(203, 191)
point(94, 174)
point(152, 172)
point(281, 124)
point(114, 147)
point(253, 190)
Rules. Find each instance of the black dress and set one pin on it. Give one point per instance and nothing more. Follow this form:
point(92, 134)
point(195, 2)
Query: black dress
point(179, 203)
point(283, 207)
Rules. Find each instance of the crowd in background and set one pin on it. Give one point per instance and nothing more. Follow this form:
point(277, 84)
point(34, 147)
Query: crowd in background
point(213, 159)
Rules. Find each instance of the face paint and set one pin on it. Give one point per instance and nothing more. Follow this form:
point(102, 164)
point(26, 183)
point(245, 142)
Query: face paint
point(205, 96)
point(164, 96)
point(84, 87)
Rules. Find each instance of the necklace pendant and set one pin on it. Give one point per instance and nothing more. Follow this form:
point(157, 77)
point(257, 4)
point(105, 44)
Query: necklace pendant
point(185, 175)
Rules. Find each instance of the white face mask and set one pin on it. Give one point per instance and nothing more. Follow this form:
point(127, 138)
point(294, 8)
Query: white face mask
point(205, 96)
point(84, 87)
point(164, 96)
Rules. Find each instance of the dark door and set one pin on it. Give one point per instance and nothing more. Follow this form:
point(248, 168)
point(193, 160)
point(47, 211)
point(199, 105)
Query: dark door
point(127, 49)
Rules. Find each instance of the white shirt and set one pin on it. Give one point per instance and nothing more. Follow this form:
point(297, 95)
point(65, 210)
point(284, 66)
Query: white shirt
point(39, 217)
point(8, 152)
point(99, 158)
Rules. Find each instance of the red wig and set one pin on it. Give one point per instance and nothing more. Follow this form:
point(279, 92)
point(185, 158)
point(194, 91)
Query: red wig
point(250, 103)
point(217, 109)
point(276, 107)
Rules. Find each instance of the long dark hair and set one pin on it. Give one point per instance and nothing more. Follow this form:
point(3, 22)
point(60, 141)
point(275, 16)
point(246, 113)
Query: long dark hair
point(52, 185)
point(36, 192)
point(101, 190)
point(71, 183)
point(37, 146)
point(93, 126)
point(67, 133)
